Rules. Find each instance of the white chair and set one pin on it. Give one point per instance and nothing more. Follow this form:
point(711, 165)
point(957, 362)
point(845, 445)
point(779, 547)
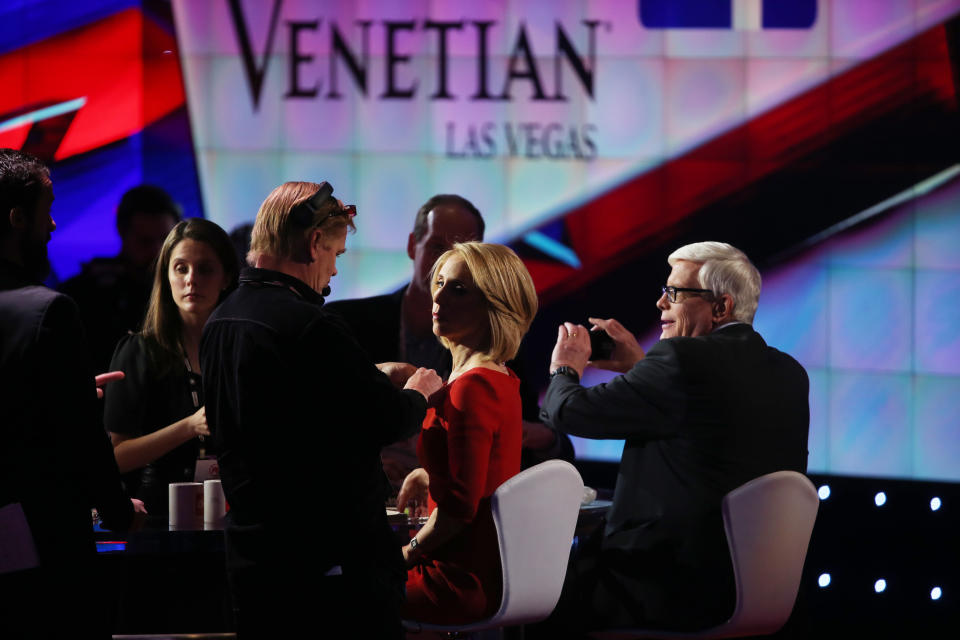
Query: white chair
point(768, 523)
point(535, 513)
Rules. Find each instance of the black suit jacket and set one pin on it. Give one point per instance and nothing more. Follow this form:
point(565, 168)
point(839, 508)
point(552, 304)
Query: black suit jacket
point(55, 458)
point(700, 416)
point(375, 322)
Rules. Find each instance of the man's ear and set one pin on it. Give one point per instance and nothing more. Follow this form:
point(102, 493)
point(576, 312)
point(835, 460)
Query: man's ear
point(18, 218)
point(315, 244)
point(411, 246)
point(723, 309)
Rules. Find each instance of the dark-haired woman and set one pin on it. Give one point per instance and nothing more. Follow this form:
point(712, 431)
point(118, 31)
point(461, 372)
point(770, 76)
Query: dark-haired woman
point(155, 415)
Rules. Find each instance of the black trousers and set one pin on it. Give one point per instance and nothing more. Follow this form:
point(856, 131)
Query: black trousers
point(273, 602)
point(613, 589)
point(60, 601)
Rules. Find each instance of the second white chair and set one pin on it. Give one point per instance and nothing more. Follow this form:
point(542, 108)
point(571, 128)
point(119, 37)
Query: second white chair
point(768, 522)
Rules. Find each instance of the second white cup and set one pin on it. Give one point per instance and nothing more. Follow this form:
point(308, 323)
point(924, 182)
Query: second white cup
point(214, 504)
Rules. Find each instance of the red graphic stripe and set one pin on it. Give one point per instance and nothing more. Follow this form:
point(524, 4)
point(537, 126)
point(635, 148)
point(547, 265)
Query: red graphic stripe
point(612, 227)
point(118, 64)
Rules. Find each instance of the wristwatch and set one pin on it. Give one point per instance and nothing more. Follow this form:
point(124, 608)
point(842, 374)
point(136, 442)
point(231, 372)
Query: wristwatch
point(564, 370)
point(414, 543)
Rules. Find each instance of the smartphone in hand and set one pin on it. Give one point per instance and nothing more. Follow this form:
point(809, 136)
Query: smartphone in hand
point(601, 345)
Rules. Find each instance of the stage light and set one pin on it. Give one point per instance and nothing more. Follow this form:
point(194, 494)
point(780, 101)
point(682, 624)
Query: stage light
point(935, 593)
point(880, 585)
point(880, 499)
point(824, 580)
point(824, 492)
point(934, 503)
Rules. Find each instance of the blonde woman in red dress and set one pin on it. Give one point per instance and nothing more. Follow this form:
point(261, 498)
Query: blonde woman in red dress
point(483, 303)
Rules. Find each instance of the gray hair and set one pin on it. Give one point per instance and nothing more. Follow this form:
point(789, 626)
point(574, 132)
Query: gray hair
point(724, 269)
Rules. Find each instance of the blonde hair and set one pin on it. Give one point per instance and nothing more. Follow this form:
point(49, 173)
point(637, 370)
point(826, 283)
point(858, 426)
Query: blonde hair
point(506, 286)
point(275, 234)
point(725, 269)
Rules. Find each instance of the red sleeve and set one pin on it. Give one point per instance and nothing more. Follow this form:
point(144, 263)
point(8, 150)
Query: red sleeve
point(474, 417)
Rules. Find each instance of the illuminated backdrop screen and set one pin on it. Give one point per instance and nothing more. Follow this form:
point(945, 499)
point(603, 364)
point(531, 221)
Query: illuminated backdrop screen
point(525, 108)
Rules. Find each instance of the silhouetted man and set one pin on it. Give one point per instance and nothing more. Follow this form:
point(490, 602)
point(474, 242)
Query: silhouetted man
point(55, 459)
point(113, 292)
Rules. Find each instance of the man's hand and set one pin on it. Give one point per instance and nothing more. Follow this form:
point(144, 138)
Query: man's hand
point(626, 350)
point(414, 493)
point(426, 381)
point(572, 348)
point(106, 378)
point(398, 372)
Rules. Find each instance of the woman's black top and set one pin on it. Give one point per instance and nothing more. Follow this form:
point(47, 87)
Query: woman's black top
point(147, 400)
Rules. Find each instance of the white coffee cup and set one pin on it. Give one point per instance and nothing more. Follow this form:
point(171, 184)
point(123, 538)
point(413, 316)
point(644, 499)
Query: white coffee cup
point(185, 501)
point(214, 504)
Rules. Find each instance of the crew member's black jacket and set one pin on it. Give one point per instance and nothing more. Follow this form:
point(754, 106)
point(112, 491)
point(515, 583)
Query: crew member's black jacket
point(299, 414)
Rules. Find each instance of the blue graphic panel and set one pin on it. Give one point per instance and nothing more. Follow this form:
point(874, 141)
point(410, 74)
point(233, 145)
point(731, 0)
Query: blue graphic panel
point(718, 14)
point(686, 14)
point(789, 14)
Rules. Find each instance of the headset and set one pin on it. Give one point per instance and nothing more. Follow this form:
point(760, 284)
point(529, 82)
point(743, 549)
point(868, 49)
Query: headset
point(303, 213)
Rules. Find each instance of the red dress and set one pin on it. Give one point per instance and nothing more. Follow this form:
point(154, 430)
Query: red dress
point(470, 445)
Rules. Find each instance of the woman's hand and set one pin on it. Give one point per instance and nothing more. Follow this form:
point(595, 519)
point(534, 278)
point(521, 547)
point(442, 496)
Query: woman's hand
point(136, 452)
point(196, 425)
point(409, 557)
point(414, 493)
point(626, 350)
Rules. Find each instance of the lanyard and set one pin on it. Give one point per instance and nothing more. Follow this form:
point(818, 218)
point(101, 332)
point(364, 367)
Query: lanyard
point(192, 381)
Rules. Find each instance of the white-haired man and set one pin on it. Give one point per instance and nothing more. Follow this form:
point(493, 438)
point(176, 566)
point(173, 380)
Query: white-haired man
point(709, 407)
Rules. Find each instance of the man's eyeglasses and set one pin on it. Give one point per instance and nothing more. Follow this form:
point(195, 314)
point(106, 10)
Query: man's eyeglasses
point(672, 292)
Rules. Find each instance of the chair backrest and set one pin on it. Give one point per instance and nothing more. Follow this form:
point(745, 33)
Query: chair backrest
point(535, 513)
point(768, 522)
